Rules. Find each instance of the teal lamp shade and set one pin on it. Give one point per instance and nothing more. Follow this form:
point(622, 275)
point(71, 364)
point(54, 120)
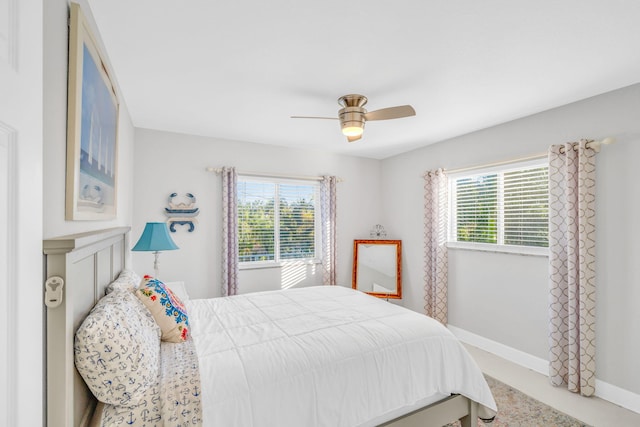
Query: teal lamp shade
point(155, 238)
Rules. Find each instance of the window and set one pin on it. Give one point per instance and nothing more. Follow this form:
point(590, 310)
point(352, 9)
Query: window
point(278, 220)
point(507, 207)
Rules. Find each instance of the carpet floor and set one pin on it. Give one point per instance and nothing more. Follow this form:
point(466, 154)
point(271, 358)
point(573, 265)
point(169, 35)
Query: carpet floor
point(516, 409)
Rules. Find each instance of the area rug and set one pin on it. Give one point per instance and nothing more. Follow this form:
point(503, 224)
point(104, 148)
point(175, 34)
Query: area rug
point(516, 409)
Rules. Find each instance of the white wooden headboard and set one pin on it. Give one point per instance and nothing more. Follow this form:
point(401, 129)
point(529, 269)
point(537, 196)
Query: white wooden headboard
point(87, 263)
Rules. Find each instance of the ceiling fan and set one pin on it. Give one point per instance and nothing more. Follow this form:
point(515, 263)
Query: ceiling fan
point(353, 115)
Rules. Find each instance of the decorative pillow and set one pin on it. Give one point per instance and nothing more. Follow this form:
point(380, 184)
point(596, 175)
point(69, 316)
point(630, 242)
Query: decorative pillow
point(117, 349)
point(179, 289)
point(127, 280)
point(166, 308)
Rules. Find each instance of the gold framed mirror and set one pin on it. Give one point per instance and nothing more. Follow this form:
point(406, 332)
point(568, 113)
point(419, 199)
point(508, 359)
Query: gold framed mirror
point(377, 267)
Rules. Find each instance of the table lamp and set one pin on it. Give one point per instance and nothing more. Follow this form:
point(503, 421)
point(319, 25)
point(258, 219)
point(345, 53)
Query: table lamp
point(155, 238)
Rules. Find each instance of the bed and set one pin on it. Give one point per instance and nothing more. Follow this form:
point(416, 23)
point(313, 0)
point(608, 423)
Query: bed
point(322, 356)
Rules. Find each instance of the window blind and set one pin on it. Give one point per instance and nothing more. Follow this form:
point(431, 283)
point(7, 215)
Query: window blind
point(256, 221)
point(477, 209)
point(297, 221)
point(505, 207)
point(267, 233)
point(526, 207)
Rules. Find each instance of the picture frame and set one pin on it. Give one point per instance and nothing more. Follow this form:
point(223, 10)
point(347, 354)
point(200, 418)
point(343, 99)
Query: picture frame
point(92, 128)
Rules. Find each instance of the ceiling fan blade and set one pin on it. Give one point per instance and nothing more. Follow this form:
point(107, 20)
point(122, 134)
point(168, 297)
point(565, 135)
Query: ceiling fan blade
point(313, 117)
point(391, 113)
point(353, 138)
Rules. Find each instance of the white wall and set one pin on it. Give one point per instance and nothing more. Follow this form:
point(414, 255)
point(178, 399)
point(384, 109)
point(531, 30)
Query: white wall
point(168, 162)
point(55, 129)
point(504, 297)
point(49, 202)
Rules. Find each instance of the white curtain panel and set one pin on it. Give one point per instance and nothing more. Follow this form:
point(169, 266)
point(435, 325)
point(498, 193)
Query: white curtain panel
point(328, 219)
point(572, 294)
point(229, 231)
point(435, 242)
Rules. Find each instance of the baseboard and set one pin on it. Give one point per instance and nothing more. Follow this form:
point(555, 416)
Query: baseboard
point(519, 357)
point(617, 395)
point(604, 390)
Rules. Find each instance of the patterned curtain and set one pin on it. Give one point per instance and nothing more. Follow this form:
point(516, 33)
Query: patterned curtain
point(229, 232)
point(328, 218)
point(435, 242)
point(572, 297)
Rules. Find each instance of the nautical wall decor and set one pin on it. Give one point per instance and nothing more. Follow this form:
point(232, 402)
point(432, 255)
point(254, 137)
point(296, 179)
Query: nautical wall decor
point(182, 213)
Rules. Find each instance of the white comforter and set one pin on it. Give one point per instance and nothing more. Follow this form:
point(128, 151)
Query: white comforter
point(323, 356)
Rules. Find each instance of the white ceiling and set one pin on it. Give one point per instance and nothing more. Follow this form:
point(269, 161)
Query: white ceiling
point(238, 69)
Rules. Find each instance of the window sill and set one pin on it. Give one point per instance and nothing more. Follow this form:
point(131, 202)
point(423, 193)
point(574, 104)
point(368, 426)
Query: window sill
point(272, 264)
point(506, 249)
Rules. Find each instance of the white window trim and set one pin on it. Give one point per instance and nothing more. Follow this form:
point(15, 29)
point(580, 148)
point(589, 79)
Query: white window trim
point(257, 265)
point(492, 247)
point(506, 249)
point(251, 265)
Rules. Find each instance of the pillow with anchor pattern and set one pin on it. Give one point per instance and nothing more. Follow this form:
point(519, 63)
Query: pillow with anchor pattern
point(117, 349)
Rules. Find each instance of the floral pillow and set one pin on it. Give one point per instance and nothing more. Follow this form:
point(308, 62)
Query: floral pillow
point(167, 309)
point(179, 289)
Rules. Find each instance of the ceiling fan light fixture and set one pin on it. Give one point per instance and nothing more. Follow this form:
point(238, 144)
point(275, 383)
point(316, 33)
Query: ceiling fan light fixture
point(352, 130)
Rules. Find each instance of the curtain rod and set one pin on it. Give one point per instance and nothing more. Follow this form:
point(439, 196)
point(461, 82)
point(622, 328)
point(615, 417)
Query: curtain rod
point(500, 163)
point(595, 145)
point(272, 175)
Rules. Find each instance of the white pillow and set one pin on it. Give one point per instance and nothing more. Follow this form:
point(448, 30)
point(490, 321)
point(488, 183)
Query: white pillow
point(128, 280)
point(117, 349)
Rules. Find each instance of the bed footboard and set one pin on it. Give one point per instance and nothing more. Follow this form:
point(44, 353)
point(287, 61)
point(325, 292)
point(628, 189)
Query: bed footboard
point(455, 407)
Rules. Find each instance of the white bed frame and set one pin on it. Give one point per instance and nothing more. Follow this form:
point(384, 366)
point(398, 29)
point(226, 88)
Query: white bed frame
point(447, 410)
point(87, 263)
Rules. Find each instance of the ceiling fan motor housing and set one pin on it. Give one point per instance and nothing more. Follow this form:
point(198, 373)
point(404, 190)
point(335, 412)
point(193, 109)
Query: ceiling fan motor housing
point(352, 117)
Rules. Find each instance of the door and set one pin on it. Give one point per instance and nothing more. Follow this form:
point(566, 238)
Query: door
point(21, 350)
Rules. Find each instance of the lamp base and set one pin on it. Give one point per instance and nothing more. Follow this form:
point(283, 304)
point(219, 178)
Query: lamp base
point(156, 264)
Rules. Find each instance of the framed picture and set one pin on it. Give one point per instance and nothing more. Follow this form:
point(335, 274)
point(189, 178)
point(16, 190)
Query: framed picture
point(92, 128)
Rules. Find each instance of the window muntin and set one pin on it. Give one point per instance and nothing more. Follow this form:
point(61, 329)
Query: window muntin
point(501, 207)
point(270, 235)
